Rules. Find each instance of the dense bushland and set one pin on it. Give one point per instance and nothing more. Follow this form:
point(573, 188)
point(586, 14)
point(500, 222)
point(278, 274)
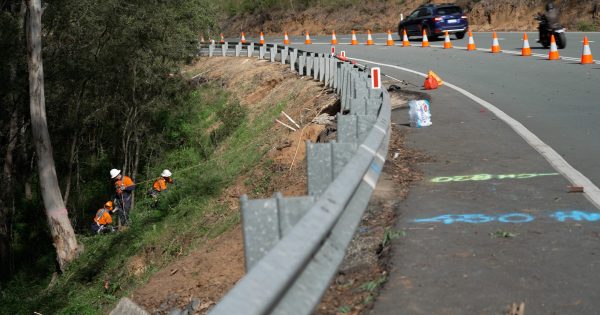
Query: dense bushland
point(114, 99)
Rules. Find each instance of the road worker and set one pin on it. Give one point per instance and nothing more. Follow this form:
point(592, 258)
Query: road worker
point(160, 185)
point(124, 187)
point(103, 220)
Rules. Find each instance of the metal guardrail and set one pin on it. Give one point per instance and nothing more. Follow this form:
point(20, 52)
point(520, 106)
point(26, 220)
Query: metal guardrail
point(294, 246)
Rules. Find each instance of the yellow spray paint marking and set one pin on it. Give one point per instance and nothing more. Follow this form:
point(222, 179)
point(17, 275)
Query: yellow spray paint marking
point(482, 177)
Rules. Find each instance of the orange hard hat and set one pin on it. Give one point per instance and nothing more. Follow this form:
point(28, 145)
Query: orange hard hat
point(109, 205)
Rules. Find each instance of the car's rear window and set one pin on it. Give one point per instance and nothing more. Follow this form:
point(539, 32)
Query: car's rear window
point(449, 10)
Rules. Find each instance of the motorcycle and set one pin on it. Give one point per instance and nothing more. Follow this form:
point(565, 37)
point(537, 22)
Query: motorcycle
point(547, 30)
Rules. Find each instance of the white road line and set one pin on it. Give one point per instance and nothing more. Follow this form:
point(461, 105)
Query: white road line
point(591, 191)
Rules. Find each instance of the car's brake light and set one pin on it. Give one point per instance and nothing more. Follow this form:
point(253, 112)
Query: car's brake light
point(438, 19)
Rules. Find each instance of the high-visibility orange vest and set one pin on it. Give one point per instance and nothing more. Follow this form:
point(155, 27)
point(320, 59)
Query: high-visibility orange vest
point(160, 183)
point(123, 183)
point(103, 217)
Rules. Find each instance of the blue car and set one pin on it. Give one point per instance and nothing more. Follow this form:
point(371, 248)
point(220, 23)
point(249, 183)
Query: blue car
point(435, 19)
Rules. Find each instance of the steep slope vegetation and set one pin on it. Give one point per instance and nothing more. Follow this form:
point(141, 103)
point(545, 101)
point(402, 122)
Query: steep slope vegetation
point(323, 16)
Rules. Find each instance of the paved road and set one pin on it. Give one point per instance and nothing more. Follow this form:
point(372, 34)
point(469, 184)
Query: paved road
point(492, 223)
point(559, 101)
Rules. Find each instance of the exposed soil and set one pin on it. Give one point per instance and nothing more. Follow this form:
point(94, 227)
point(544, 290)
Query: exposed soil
point(209, 271)
point(379, 16)
point(366, 264)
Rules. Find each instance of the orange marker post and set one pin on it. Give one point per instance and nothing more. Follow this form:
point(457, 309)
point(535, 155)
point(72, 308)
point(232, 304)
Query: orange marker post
point(369, 38)
point(495, 44)
point(286, 39)
point(471, 44)
point(390, 40)
point(307, 41)
point(447, 42)
point(526, 50)
point(586, 54)
point(553, 54)
point(425, 40)
point(354, 41)
point(405, 41)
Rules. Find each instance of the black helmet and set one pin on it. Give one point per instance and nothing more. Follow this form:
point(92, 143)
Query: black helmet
point(549, 6)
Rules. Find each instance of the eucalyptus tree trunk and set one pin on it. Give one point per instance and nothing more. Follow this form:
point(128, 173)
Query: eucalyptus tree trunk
point(58, 218)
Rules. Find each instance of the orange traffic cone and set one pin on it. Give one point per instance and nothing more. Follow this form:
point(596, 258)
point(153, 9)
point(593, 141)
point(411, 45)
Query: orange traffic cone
point(307, 41)
point(286, 39)
point(586, 54)
point(553, 55)
point(495, 44)
point(526, 50)
point(425, 40)
point(262, 38)
point(369, 38)
point(435, 76)
point(471, 45)
point(405, 42)
point(222, 39)
point(333, 38)
point(390, 40)
point(354, 41)
point(243, 39)
point(447, 42)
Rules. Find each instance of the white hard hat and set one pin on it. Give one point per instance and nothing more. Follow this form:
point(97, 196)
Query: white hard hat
point(166, 173)
point(114, 172)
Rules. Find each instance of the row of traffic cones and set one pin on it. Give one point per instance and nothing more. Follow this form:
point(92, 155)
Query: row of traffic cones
point(586, 55)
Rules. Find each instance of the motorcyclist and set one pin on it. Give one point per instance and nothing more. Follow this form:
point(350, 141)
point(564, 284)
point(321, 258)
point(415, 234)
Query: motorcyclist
point(552, 15)
point(549, 21)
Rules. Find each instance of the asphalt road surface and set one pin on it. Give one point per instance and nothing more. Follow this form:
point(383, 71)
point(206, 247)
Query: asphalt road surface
point(492, 222)
point(559, 101)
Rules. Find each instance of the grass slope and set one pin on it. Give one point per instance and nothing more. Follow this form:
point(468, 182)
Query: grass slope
point(187, 215)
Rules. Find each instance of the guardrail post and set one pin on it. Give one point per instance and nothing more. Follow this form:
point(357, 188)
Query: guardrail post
point(327, 70)
point(250, 50)
point(316, 66)
point(322, 67)
point(301, 63)
point(310, 62)
point(284, 55)
point(266, 221)
point(238, 49)
point(273, 53)
point(337, 68)
point(293, 58)
point(324, 161)
point(354, 128)
point(211, 50)
point(261, 52)
point(224, 49)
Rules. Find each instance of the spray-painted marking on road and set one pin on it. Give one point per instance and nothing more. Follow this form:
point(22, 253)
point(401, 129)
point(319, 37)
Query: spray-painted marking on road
point(481, 177)
point(591, 191)
point(479, 218)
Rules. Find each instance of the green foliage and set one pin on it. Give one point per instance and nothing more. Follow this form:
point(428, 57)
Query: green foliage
point(111, 82)
point(389, 235)
point(586, 26)
point(373, 285)
point(344, 309)
point(170, 229)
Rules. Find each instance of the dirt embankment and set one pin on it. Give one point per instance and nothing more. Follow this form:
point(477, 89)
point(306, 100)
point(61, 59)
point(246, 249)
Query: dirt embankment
point(205, 274)
point(379, 16)
point(199, 279)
